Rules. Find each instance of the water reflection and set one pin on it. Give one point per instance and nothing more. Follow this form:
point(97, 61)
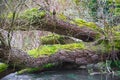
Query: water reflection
point(61, 75)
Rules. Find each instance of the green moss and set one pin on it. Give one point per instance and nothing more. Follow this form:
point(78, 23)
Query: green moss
point(32, 14)
point(90, 25)
point(32, 70)
point(46, 50)
point(28, 70)
point(49, 65)
point(83, 23)
point(62, 17)
point(52, 39)
point(73, 46)
point(3, 67)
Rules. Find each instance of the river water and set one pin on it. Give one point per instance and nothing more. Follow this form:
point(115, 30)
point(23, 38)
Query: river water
point(61, 75)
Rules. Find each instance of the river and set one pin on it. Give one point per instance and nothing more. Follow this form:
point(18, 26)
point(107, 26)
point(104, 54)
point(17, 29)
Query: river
point(61, 75)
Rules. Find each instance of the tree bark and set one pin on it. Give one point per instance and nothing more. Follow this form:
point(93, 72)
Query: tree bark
point(65, 28)
point(21, 59)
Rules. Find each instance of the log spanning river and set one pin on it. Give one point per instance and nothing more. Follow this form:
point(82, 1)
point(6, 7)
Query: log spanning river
point(61, 75)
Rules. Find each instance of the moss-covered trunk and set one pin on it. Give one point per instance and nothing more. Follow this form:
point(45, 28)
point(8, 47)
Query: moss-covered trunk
point(48, 22)
point(21, 59)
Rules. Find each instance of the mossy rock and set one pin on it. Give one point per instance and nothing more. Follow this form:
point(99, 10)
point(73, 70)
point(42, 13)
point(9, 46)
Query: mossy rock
point(3, 67)
point(47, 50)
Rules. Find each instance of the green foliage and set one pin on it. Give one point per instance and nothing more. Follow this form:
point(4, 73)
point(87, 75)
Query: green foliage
point(117, 44)
point(107, 7)
point(77, 2)
point(93, 6)
point(117, 73)
point(117, 1)
point(117, 11)
point(106, 45)
point(3, 67)
point(115, 63)
point(116, 37)
point(118, 5)
point(46, 50)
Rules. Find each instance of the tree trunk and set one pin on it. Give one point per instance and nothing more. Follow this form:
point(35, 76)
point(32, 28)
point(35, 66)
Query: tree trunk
point(53, 24)
point(80, 57)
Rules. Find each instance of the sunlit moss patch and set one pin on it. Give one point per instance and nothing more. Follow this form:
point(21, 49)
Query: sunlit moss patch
point(83, 23)
point(46, 50)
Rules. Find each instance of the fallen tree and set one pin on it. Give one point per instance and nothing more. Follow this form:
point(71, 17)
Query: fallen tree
point(90, 54)
point(82, 56)
point(22, 59)
point(47, 22)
